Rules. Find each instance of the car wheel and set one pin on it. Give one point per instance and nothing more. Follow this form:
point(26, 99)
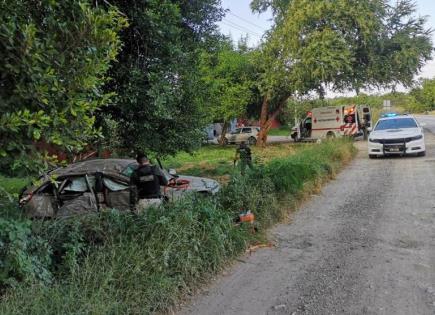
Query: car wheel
point(225, 141)
point(372, 156)
point(252, 141)
point(421, 153)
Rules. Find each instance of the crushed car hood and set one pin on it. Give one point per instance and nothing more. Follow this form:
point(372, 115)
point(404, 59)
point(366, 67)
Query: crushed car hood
point(202, 184)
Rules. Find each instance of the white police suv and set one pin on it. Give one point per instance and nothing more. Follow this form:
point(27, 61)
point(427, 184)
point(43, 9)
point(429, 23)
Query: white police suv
point(396, 135)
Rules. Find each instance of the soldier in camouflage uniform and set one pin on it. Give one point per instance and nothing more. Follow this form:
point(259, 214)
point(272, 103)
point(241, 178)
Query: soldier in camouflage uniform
point(145, 185)
point(243, 153)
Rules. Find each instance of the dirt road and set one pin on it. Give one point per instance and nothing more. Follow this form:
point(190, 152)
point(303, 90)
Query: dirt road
point(365, 245)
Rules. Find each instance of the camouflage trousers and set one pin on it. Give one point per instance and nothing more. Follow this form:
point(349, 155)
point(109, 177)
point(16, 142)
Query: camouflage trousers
point(245, 163)
point(144, 204)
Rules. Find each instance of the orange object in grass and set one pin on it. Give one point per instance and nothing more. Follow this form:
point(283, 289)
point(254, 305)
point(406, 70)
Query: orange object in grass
point(247, 217)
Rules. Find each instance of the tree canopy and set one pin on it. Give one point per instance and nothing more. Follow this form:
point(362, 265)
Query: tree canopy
point(356, 44)
point(55, 56)
point(156, 77)
point(424, 96)
point(227, 76)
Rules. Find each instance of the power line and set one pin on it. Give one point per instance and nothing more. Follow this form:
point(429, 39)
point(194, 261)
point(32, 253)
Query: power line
point(240, 27)
point(246, 21)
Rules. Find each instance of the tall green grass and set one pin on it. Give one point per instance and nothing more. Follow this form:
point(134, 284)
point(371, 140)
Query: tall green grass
point(210, 153)
point(217, 162)
point(120, 263)
point(12, 185)
point(289, 175)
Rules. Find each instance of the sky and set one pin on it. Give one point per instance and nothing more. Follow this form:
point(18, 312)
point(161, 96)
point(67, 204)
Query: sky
point(240, 21)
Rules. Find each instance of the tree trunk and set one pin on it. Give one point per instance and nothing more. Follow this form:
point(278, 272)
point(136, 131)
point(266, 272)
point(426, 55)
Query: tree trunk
point(266, 120)
point(321, 92)
point(224, 131)
point(262, 135)
point(357, 90)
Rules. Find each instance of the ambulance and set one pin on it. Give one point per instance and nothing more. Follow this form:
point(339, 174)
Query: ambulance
point(332, 122)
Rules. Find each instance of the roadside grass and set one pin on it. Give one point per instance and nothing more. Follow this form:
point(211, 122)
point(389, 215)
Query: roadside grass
point(13, 185)
point(281, 131)
point(120, 263)
point(217, 162)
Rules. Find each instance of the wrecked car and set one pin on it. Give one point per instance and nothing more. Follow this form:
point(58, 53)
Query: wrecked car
point(94, 185)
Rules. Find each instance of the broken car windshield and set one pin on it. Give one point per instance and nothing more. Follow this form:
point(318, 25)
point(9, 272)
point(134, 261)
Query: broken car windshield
point(130, 169)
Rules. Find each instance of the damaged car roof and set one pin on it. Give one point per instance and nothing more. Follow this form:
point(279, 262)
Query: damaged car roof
point(94, 166)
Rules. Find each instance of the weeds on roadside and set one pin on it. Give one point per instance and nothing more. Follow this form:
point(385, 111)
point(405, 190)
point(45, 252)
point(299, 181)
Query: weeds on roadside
point(120, 263)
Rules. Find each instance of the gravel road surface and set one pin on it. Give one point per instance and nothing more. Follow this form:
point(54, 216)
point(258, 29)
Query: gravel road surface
point(365, 245)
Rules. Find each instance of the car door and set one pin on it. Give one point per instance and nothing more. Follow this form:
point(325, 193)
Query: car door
point(78, 196)
point(366, 116)
point(245, 134)
point(42, 203)
point(117, 194)
point(234, 135)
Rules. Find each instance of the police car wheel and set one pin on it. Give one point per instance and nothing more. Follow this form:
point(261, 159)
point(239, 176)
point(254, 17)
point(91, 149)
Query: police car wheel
point(372, 156)
point(421, 153)
point(252, 141)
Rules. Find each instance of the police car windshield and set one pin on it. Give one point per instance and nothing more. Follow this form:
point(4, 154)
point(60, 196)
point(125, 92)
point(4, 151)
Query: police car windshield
point(396, 123)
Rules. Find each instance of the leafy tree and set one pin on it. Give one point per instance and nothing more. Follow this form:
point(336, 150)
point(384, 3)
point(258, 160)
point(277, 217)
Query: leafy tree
point(55, 56)
point(404, 48)
point(227, 76)
point(424, 96)
point(278, 7)
point(156, 77)
point(339, 45)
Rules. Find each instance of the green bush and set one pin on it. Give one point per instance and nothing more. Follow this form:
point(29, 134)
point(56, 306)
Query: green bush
point(12, 185)
point(23, 256)
point(55, 60)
